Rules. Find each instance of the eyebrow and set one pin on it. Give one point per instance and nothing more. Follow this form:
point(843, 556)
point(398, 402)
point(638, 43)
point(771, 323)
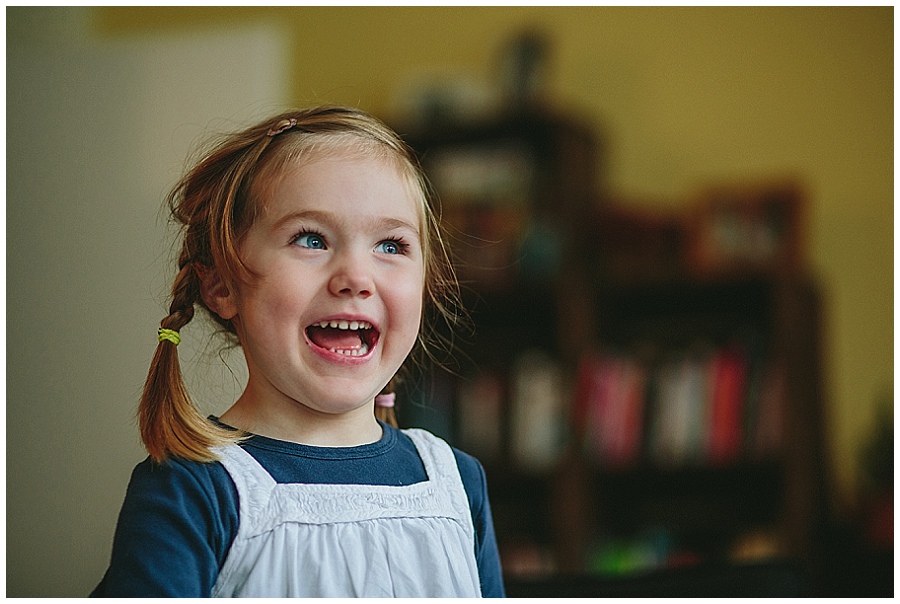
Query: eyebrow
point(327, 218)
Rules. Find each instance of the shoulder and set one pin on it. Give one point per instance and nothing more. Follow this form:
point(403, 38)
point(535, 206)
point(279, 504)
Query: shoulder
point(203, 494)
point(468, 464)
point(472, 473)
point(176, 474)
point(470, 469)
point(174, 530)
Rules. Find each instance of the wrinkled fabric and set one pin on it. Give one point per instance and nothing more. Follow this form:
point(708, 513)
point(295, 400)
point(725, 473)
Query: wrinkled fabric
point(347, 540)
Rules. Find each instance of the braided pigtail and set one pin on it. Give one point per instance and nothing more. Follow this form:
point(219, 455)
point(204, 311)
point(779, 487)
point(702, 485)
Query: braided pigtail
point(210, 203)
point(170, 424)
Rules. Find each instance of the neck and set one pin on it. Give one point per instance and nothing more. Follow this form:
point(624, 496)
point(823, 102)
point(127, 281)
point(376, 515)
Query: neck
point(294, 422)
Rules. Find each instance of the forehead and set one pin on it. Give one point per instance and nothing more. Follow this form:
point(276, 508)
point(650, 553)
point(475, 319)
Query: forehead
point(349, 181)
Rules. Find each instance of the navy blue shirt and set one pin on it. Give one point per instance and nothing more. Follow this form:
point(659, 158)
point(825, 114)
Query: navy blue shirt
point(180, 517)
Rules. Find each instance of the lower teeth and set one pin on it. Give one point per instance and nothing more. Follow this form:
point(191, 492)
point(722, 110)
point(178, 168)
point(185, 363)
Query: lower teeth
point(356, 352)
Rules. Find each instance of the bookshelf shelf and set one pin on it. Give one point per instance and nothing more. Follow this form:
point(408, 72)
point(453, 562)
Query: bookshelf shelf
point(705, 508)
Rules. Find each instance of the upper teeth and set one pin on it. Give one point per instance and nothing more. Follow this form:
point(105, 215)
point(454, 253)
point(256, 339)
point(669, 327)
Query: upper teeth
point(351, 325)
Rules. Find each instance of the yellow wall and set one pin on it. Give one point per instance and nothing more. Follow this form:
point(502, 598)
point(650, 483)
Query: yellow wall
point(683, 96)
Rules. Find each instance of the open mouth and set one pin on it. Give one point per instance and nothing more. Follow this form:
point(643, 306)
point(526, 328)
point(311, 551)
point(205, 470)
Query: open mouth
point(344, 337)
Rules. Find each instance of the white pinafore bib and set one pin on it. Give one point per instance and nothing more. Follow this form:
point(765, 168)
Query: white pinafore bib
point(338, 540)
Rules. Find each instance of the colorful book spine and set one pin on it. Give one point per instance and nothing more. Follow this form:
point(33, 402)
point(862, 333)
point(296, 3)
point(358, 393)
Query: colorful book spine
point(703, 406)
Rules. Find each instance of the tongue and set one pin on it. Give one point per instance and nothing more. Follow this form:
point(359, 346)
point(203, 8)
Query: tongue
point(339, 339)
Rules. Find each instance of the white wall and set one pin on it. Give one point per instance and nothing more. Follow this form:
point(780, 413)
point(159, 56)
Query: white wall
point(96, 134)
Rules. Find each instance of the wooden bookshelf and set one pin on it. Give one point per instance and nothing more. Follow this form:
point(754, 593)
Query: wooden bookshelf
point(711, 448)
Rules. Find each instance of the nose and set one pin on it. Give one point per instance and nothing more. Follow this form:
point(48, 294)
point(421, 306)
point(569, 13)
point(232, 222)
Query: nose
point(352, 277)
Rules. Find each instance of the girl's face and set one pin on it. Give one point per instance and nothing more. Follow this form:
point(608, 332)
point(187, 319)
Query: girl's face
point(334, 306)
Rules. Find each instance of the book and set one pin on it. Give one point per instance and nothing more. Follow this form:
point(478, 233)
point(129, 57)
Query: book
point(728, 375)
point(609, 408)
point(537, 425)
point(480, 412)
point(679, 427)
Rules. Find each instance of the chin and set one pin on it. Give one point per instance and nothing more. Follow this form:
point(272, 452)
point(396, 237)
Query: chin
point(339, 400)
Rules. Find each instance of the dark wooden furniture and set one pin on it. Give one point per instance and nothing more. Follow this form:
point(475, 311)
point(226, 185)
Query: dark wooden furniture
point(553, 278)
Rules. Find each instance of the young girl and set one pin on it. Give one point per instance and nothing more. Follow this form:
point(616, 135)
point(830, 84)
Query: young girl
point(310, 239)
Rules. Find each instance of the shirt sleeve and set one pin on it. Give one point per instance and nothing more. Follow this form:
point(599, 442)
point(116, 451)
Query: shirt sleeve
point(174, 530)
point(487, 554)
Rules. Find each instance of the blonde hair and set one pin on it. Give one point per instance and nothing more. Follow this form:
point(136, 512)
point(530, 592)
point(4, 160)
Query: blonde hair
point(216, 202)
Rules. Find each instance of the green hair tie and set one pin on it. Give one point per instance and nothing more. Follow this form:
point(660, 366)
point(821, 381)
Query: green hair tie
point(169, 335)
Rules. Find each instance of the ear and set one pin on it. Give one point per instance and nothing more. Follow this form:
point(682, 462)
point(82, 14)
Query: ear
point(215, 292)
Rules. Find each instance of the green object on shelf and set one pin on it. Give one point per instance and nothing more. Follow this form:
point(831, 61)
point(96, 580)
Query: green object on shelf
point(622, 556)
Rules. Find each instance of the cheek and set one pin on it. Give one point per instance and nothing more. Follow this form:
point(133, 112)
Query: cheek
point(268, 305)
point(408, 305)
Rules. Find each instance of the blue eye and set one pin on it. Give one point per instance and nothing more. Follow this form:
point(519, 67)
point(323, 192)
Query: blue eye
point(312, 241)
point(391, 247)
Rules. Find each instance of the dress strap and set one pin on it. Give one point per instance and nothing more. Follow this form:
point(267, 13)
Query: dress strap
point(441, 467)
point(254, 484)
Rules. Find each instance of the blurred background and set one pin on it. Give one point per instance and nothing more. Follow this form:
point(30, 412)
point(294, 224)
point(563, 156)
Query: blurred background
point(675, 235)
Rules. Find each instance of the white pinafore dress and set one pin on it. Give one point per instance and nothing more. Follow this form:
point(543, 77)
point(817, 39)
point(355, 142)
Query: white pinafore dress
point(338, 540)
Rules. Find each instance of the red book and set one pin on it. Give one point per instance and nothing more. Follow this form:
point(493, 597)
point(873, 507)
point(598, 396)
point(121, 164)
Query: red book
point(633, 394)
point(729, 376)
